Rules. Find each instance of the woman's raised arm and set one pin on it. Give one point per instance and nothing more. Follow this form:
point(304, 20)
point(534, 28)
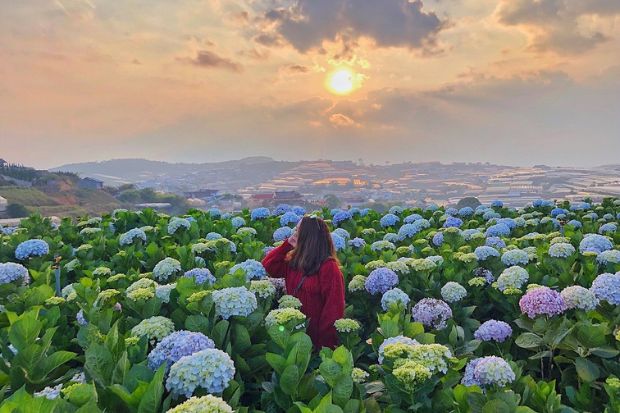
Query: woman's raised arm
point(275, 262)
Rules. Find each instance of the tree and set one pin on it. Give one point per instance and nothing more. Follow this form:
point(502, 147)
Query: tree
point(470, 201)
point(332, 201)
point(16, 211)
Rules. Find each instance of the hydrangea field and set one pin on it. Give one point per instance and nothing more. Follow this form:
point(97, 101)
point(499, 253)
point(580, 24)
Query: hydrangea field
point(492, 309)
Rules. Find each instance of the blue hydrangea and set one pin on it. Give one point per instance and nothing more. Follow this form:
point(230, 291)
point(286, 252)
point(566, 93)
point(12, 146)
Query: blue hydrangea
point(558, 211)
point(579, 297)
point(133, 234)
point(31, 248)
point(342, 232)
point(176, 345)
point(469, 234)
point(408, 231)
point(81, 320)
point(498, 230)
point(495, 242)
point(497, 204)
point(380, 280)
point(299, 210)
point(431, 208)
point(340, 217)
point(166, 268)
point(201, 276)
point(466, 212)
point(282, 209)
point(259, 213)
point(211, 236)
point(484, 252)
point(391, 237)
point(453, 222)
point(453, 292)
point(357, 242)
point(289, 218)
point(282, 233)
point(607, 287)
point(561, 250)
point(253, 269)
point(490, 214)
point(396, 210)
point(339, 242)
point(10, 272)
point(432, 313)
point(488, 371)
point(176, 223)
point(237, 222)
point(608, 257)
point(515, 257)
point(210, 369)
point(493, 330)
point(542, 203)
point(580, 206)
point(389, 220)
point(595, 243)
point(608, 217)
point(438, 239)
point(234, 301)
point(394, 296)
point(575, 224)
point(412, 218)
point(607, 228)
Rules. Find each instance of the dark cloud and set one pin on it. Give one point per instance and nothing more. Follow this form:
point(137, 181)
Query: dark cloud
point(207, 58)
point(306, 24)
point(296, 69)
point(555, 23)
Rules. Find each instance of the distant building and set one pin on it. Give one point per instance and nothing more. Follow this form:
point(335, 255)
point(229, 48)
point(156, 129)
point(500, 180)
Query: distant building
point(3, 203)
point(287, 196)
point(202, 194)
point(90, 183)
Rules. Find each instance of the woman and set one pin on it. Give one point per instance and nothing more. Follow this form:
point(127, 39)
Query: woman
point(307, 261)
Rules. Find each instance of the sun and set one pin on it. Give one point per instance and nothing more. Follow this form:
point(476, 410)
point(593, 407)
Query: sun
point(341, 82)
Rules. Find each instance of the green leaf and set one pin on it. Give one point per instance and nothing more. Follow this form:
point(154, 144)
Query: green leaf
point(56, 360)
point(276, 361)
point(605, 352)
point(289, 380)
point(152, 396)
point(529, 341)
point(25, 330)
point(330, 370)
point(496, 406)
point(241, 341)
point(587, 370)
point(342, 390)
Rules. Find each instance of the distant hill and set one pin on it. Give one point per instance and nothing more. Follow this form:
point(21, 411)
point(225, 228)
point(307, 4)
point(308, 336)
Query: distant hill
point(218, 175)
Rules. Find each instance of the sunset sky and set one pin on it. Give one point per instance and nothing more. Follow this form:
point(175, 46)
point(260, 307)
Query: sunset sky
point(505, 81)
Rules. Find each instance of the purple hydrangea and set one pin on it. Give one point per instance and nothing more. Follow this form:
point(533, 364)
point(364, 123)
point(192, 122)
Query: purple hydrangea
point(542, 301)
point(432, 313)
point(176, 345)
point(488, 371)
point(493, 330)
point(607, 287)
point(200, 276)
point(380, 280)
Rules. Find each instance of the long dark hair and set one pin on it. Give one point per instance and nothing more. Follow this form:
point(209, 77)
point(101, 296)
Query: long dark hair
point(314, 246)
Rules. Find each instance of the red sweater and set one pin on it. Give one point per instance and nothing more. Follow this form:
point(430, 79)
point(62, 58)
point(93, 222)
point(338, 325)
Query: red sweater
point(321, 295)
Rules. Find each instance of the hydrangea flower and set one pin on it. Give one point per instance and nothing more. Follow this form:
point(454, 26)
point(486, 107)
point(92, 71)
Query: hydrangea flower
point(380, 280)
point(31, 248)
point(339, 242)
point(515, 257)
point(608, 257)
point(542, 301)
point(204, 404)
point(575, 224)
point(595, 243)
point(393, 340)
point(561, 250)
point(130, 236)
point(579, 297)
point(453, 292)
point(607, 287)
point(438, 239)
point(340, 217)
point(289, 301)
point(200, 276)
point(166, 268)
point(263, 288)
point(488, 371)
point(237, 222)
point(154, 328)
point(10, 272)
point(234, 301)
point(453, 222)
point(396, 210)
point(432, 356)
point(389, 220)
point(357, 283)
point(412, 218)
point(432, 313)
point(408, 231)
point(289, 218)
point(607, 228)
point(358, 375)
point(495, 242)
point(484, 252)
point(50, 393)
point(252, 269)
point(498, 230)
point(282, 316)
point(215, 213)
point(342, 232)
point(357, 242)
point(209, 369)
point(282, 209)
point(394, 296)
point(513, 277)
point(79, 317)
point(466, 212)
point(497, 204)
point(163, 292)
point(259, 213)
point(411, 374)
point(493, 330)
point(382, 246)
point(176, 223)
point(347, 325)
point(176, 345)
point(399, 266)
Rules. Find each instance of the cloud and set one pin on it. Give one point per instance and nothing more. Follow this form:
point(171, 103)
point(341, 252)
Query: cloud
point(342, 121)
point(207, 58)
point(557, 25)
point(389, 23)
